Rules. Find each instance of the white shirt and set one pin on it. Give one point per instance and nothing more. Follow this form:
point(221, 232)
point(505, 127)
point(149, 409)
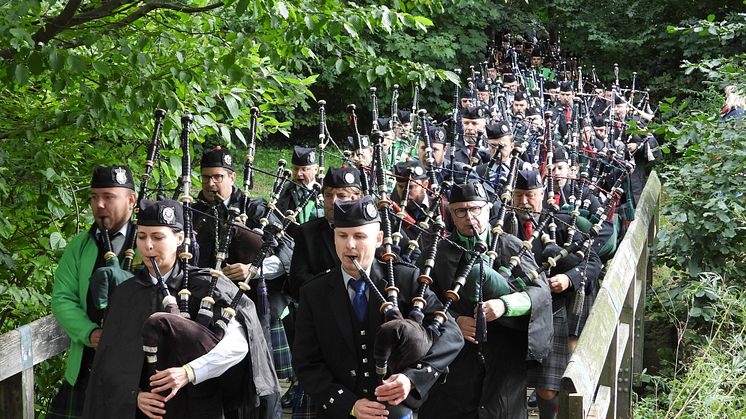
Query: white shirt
point(231, 350)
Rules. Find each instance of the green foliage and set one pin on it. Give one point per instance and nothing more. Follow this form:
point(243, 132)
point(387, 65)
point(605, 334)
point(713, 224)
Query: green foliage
point(706, 229)
point(708, 377)
point(630, 34)
point(704, 206)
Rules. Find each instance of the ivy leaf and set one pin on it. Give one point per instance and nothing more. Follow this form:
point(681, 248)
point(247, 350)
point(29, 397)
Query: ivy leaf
point(56, 241)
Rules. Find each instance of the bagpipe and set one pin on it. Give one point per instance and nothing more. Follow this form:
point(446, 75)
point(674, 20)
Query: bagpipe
point(105, 279)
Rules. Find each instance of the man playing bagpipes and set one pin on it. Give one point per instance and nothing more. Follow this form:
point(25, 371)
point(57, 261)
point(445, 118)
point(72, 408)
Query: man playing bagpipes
point(304, 168)
point(219, 206)
point(338, 321)
point(504, 316)
point(73, 305)
point(574, 274)
point(225, 374)
point(438, 138)
point(314, 253)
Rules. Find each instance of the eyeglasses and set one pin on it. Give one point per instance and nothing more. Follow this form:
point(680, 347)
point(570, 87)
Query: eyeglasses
point(215, 178)
point(461, 212)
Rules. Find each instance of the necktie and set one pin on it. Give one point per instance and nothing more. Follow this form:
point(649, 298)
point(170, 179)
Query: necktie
point(360, 301)
point(528, 228)
point(568, 115)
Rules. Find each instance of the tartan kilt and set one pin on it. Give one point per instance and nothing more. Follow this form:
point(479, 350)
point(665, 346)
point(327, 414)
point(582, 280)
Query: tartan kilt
point(549, 374)
point(280, 350)
point(69, 401)
point(575, 323)
point(304, 407)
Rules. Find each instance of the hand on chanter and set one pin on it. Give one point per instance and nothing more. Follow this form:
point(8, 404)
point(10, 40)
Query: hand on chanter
point(152, 404)
point(171, 380)
point(468, 327)
point(368, 409)
point(394, 389)
point(236, 271)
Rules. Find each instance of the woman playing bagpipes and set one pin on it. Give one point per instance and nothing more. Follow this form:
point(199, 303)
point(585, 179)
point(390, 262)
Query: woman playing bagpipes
point(192, 372)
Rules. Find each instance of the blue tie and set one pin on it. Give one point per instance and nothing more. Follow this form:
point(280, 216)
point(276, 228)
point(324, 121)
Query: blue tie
point(360, 301)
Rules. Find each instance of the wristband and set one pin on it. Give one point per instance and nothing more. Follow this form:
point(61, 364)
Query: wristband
point(189, 373)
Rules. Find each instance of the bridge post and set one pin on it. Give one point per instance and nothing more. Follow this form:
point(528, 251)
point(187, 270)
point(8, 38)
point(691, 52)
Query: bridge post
point(20, 350)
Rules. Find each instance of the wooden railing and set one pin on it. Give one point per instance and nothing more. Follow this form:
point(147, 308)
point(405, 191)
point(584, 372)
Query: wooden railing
point(608, 358)
point(20, 350)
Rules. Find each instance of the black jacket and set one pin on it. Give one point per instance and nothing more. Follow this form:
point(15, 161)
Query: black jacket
point(326, 358)
point(118, 368)
point(314, 253)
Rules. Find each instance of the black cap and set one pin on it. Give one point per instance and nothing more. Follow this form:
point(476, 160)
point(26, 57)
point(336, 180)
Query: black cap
point(533, 110)
point(482, 87)
point(342, 177)
point(112, 177)
point(498, 130)
point(410, 167)
point(356, 212)
point(217, 157)
point(508, 78)
point(303, 156)
point(551, 84)
point(561, 155)
point(565, 86)
point(167, 213)
point(519, 96)
point(437, 134)
point(384, 124)
point(598, 121)
point(470, 191)
point(404, 115)
point(537, 52)
point(528, 179)
point(472, 112)
point(364, 142)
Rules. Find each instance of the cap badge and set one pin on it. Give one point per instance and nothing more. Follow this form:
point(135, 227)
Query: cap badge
point(417, 170)
point(371, 211)
point(120, 175)
point(227, 159)
point(167, 215)
point(479, 190)
point(312, 157)
point(349, 178)
point(504, 128)
point(440, 134)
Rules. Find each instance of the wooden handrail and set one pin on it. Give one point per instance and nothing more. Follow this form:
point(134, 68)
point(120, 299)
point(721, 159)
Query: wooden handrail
point(20, 350)
point(599, 377)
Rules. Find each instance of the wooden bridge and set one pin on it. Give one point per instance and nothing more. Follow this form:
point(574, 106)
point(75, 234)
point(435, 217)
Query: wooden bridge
point(597, 382)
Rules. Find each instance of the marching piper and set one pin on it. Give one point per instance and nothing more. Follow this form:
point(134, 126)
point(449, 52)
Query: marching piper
point(336, 325)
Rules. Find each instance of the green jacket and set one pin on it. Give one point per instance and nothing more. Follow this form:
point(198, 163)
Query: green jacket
point(69, 298)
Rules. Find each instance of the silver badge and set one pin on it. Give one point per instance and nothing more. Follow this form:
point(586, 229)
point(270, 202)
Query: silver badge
point(504, 128)
point(349, 178)
point(312, 157)
point(479, 190)
point(371, 211)
point(120, 175)
point(440, 134)
point(417, 170)
point(167, 215)
point(227, 159)
point(480, 112)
